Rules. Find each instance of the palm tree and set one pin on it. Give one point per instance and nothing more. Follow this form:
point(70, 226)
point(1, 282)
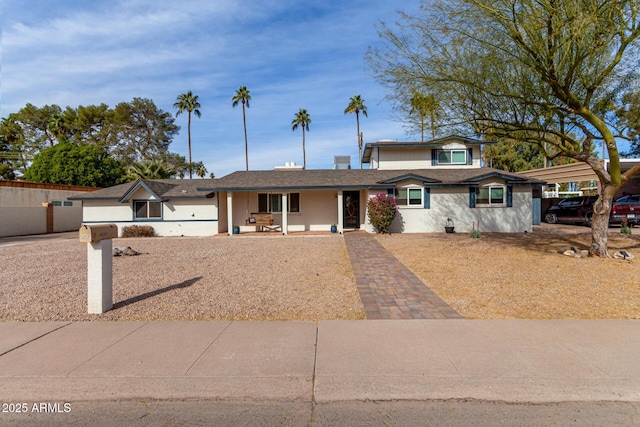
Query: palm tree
point(188, 102)
point(302, 119)
point(150, 170)
point(425, 105)
point(356, 105)
point(242, 96)
point(201, 170)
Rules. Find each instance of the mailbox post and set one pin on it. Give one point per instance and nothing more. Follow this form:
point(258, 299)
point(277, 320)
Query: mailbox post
point(99, 265)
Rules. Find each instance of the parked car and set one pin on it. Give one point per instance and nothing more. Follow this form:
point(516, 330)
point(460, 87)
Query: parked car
point(627, 207)
point(571, 210)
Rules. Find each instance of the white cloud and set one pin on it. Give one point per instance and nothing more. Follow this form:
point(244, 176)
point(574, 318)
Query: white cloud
point(290, 54)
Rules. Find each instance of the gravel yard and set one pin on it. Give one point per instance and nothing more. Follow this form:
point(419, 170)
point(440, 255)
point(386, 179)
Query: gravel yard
point(522, 276)
point(310, 277)
point(222, 278)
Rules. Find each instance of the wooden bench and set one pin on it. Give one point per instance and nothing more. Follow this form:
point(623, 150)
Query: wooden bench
point(262, 220)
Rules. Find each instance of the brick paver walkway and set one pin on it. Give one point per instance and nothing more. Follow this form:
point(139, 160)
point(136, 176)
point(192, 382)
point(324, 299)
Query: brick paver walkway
point(388, 289)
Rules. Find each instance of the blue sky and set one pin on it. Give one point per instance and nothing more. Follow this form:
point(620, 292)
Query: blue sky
point(290, 54)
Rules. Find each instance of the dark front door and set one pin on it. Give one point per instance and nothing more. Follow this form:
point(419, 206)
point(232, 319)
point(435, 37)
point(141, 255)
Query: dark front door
point(351, 209)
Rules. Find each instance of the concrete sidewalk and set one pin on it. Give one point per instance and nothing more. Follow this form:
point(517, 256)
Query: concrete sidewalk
point(326, 361)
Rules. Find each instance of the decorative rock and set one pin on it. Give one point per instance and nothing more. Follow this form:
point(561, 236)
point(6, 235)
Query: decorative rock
point(126, 251)
point(623, 255)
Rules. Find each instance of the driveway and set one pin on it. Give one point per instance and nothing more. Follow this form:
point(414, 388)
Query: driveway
point(35, 238)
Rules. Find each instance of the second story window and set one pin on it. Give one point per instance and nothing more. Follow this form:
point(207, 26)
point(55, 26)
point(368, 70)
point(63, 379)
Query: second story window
point(452, 157)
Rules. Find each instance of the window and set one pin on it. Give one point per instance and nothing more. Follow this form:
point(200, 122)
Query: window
point(452, 157)
point(273, 202)
point(144, 209)
point(409, 196)
point(493, 195)
point(62, 203)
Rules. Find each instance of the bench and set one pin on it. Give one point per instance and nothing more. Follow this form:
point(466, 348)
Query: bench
point(262, 220)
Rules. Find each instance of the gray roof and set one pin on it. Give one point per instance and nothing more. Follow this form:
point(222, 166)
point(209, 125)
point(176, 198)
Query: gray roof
point(355, 178)
point(163, 189)
point(299, 179)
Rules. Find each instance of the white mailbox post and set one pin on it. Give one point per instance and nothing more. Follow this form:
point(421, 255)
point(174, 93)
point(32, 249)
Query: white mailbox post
point(99, 265)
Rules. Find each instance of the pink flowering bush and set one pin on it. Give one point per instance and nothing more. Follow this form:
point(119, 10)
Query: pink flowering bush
point(382, 210)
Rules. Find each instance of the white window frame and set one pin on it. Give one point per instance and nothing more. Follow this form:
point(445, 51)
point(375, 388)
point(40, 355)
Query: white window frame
point(451, 151)
point(148, 217)
point(407, 203)
point(489, 202)
point(278, 196)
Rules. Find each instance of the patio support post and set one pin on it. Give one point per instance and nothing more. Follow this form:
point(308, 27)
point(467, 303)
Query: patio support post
point(230, 212)
point(340, 212)
point(285, 215)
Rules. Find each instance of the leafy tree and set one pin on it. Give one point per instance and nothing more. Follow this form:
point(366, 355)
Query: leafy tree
point(188, 102)
point(513, 156)
point(302, 119)
point(6, 171)
point(356, 105)
point(150, 170)
point(243, 96)
point(382, 210)
point(15, 154)
point(629, 115)
point(546, 72)
point(140, 131)
point(75, 164)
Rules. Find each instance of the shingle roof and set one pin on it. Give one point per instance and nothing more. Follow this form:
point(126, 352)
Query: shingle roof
point(352, 178)
point(299, 179)
point(163, 188)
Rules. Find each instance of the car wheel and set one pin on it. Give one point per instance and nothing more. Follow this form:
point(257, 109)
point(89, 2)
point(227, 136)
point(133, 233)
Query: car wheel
point(551, 218)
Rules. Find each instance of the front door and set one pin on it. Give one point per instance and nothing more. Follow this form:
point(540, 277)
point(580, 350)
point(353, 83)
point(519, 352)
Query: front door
point(351, 209)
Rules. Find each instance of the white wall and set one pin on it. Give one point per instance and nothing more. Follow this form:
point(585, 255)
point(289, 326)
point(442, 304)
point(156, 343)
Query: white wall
point(454, 203)
point(181, 217)
point(34, 197)
point(19, 221)
point(391, 158)
point(67, 218)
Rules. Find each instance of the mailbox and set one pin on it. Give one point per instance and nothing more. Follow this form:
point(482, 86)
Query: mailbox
point(96, 233)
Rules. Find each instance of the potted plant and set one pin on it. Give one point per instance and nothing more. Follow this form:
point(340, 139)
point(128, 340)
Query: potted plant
point(236, 229)
point(449, 227)
point(334, 228)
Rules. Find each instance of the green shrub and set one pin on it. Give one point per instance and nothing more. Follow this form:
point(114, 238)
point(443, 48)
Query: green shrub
point(382, 211)
point(138, 231)
point(475, 234)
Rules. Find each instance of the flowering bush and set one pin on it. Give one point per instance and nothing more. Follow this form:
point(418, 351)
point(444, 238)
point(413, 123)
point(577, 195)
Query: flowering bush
point(382, 210)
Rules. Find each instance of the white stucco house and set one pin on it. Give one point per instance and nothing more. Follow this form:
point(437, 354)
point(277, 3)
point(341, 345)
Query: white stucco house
point(432, 181)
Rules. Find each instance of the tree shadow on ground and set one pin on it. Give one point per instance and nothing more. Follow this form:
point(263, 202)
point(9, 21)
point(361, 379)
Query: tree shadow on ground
point(549, 241)
point(152, 294)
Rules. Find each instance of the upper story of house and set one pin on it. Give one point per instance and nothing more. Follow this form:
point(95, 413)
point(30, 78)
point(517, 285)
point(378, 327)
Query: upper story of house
point(451, 152)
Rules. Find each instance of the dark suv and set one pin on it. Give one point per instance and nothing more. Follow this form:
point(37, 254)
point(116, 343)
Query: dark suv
point(571, 210)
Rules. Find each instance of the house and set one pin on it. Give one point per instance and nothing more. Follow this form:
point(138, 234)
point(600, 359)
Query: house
point(432, 182)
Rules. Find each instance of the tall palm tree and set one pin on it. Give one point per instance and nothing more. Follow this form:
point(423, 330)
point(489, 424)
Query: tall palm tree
point(302, 119)
point(425, 105)
point(188, 102)
point(356, 105)
point(242, 96)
